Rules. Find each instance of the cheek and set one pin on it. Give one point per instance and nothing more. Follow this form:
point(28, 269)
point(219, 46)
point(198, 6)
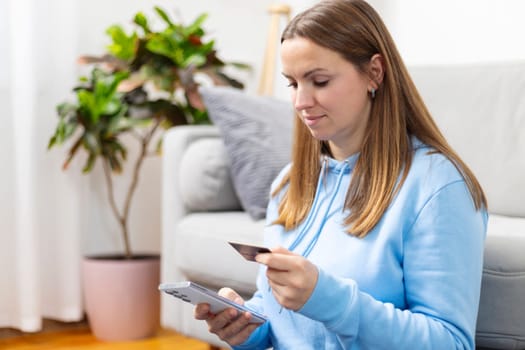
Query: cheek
point(347, 97)
point(293, 95)
point(331, 99)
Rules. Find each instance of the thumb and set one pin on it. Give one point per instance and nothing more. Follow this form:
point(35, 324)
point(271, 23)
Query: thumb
point(232, 295)
point(282, 250)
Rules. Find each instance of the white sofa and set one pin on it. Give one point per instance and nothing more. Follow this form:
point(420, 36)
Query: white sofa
point(480, 108)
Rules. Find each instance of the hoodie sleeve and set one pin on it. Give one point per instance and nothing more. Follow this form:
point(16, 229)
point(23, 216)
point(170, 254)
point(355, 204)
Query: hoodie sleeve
point(442, 266)
point(260, 338)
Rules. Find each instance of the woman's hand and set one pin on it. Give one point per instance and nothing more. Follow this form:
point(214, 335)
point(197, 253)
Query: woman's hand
point(229, 325)
point(291, 277)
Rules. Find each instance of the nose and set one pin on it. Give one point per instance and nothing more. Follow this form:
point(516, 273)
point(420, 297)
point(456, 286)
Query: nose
point(303, 99)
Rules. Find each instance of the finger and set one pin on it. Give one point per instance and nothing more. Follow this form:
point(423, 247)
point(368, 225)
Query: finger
point(217, 323)
point(263, 257)
point(283, 269)
point(282, 250)
point(244, 334)
point(278, 278)
point(202, 311)
point(302, 274)
point(238, 330)
point(281, 259)
point(232, 295)
point(280, 291)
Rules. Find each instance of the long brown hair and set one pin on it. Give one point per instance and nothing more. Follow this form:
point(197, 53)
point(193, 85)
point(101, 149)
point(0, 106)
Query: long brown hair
point(354, 29)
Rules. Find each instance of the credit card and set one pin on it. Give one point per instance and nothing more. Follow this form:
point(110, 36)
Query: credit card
point(249, 251)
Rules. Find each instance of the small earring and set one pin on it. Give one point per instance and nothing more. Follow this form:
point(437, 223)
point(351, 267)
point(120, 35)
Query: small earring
point(373, 93)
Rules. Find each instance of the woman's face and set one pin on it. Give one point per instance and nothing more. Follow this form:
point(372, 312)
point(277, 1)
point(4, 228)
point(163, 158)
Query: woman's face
point(329, 94)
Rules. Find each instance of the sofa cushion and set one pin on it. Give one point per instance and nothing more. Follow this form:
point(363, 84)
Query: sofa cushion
point(501, 324)
point(481, 110)
point(257, 133)
point(204, 255)
point(205, 180)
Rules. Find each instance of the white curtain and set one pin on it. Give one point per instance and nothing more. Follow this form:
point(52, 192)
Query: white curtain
point(40, 205)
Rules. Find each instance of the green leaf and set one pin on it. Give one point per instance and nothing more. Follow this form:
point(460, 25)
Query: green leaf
point(228, 80)
point(169, 111)
point(115, 164)
point(103, 99)
point(196, 59)
point(65, 109)
point(200, 117)
point(86, 101)
point(162, 14)
point(72, 151)
point(141, 20)
point(208, 47)
point(52, 142)
point(162, 45)
point(196, 26)
point(114, 153)
point(123, 124)
point(91, 143)
point(66, 126)
point(240, 65)
point(122, 46)
point(90, 162)
point(178, 57)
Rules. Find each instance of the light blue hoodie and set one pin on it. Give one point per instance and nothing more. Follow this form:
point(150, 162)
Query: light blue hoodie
point(412, 283)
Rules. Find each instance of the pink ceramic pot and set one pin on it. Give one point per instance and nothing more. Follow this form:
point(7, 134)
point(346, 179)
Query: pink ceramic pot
point(122, 299)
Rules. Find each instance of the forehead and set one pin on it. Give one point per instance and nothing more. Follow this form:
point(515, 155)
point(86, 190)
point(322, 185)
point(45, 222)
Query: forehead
point(300, 55)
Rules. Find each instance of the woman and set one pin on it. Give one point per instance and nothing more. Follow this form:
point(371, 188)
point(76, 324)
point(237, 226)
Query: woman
point(377, 225)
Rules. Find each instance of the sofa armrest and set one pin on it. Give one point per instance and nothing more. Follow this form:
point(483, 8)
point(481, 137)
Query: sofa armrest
point(175, 142)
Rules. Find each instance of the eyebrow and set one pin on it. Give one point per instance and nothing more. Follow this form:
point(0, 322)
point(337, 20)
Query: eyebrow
point(307, 74)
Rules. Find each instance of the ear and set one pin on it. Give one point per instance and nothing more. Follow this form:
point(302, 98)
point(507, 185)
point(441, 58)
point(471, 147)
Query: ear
point(376, 71)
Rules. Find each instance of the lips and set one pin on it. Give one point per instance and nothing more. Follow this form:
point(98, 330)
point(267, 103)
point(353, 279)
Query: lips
point(311, 120)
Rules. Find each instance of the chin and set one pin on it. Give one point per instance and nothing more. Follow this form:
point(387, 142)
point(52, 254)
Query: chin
point(319, 135)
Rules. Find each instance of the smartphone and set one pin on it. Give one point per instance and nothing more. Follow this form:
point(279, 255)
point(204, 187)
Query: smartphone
point(249, 251)
point(193, 293)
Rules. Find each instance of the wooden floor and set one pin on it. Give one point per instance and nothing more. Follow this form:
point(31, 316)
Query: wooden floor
point(80, 338)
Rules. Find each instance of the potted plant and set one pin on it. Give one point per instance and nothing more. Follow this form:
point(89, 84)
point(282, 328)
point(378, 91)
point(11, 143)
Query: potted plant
point(145, 83)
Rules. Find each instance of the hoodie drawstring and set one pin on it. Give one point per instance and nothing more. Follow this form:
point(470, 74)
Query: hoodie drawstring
point(316, 207)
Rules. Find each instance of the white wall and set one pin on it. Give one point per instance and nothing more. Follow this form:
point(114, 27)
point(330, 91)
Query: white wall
point(446, 31)
point(458, 31)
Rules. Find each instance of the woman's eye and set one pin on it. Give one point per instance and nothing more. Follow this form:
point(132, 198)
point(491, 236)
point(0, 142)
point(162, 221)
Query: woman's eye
point(292, 84)
point(321, 83)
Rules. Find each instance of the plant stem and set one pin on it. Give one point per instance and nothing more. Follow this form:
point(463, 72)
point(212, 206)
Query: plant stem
point(121, 220)
point(135, 179)
point(123, 217)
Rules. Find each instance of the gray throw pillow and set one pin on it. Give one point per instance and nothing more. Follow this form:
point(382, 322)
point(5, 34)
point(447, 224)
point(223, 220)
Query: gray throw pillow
point(206, 182)
point(257, 133)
